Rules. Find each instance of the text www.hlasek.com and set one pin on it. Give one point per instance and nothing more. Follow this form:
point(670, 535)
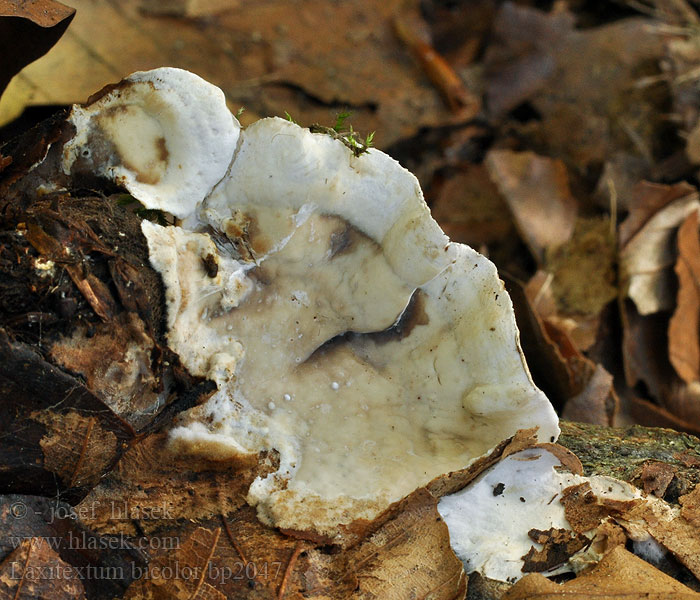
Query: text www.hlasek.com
point(85, 541)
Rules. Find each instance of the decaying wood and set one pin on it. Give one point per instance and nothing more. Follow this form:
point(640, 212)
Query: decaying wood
point(627, 453)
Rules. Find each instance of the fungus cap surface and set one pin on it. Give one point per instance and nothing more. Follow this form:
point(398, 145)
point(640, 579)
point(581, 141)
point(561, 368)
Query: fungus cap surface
point(342, 328)
point(166, 135)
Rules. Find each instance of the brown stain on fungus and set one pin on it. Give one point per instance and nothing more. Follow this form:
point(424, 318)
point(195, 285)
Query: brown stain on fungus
point(245, 236)
point(162, 148)
point(413, 316)
point(118, 88)
point(150, 170)
point(343, 239)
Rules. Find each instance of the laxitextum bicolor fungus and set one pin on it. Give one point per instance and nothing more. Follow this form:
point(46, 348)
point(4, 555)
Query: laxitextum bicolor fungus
point(346, 334)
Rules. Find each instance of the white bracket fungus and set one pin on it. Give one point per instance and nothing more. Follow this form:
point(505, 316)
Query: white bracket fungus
point(165, 135)
point(341, 326)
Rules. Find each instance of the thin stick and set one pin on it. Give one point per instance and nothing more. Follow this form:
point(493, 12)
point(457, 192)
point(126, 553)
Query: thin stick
point(298, 549)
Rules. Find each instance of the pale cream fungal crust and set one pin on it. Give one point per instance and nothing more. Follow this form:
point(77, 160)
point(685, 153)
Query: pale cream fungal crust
point(342, 328)
point(489, 520)
point(166, 135)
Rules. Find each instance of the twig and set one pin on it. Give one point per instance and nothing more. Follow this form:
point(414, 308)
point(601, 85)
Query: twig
point(458, 98)
point(613, 207)
point(298, 549)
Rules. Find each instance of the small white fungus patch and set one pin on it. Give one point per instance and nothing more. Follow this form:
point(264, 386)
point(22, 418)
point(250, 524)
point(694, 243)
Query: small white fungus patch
point(489, 520)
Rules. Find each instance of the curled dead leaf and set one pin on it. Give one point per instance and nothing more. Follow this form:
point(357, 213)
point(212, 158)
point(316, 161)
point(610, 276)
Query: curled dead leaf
point(619, 576)
point(646, 259)
point(537, 191)
point(27, 31)
point(684, 328)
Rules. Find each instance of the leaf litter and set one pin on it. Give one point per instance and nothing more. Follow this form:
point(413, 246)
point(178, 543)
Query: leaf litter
point(562, 144)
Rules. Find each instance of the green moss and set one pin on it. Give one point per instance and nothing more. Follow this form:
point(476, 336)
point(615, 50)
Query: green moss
point(622, 452)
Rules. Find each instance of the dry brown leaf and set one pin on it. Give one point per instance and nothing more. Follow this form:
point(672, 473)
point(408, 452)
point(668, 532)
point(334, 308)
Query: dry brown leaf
point(690, 507)
point(567, 458)
point(270, 57)
point(158, 486)
point(655, 478)
point(76, 447)
point(684, 328)
point(670, 529)
point(238, 557)
point(115, 361)
point(409, 557)
point(646, 200)
point(34, 571)
point(450, 483)
point(521, 65)
point(608, 535)
point(646, 259)
point(586, 113)
point(104, 566)
point(646, 413)
point(620, 575)
point(683, 401)
point(692, 148)
point(549, 367)
point(106, 41)
point(644, 354)
point(76, 436)
point(645, 359)
point(573, 333)
point(27, 31)
point(596, 403)
point(182, 575)
point(232, 557)
point(537, 191)
point(470, 210)
point(582, 390)
point(343, 66)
